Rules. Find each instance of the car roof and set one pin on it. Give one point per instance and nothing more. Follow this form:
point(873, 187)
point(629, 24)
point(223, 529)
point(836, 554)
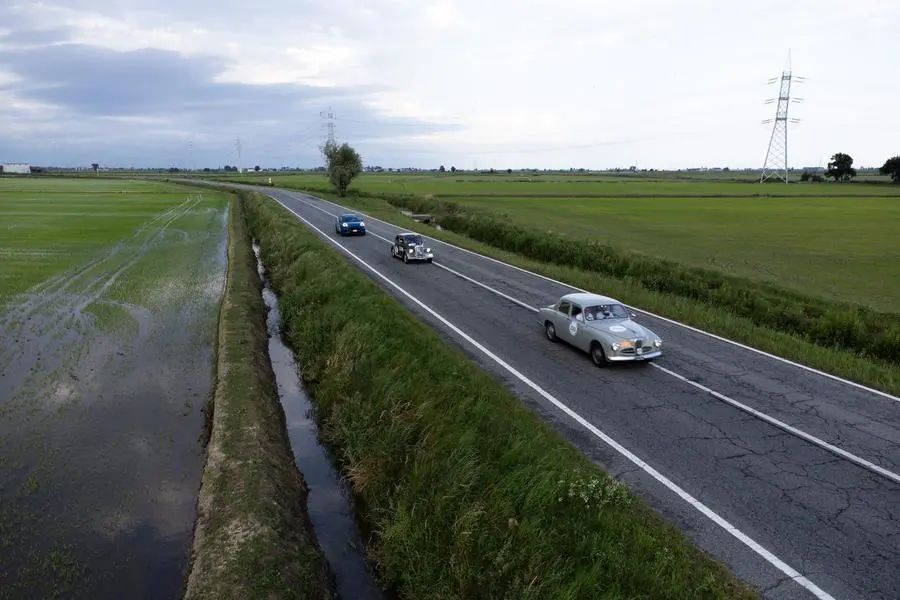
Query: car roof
point(587, 298)
point(408, 233)
point(350, 215)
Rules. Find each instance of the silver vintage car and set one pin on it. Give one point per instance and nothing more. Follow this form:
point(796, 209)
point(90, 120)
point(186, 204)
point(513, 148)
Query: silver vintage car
point(600, 326)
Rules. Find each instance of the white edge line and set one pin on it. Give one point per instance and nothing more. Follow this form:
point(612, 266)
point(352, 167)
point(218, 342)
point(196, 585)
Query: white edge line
point(646, 312)
point(859, 461)
point(696, 504)
point(788, 428)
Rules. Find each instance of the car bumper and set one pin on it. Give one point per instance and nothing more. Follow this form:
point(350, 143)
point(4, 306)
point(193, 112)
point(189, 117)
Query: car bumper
point(634, 357)
point(353, 231)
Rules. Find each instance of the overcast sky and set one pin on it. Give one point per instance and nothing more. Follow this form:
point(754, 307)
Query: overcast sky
point(470, 83)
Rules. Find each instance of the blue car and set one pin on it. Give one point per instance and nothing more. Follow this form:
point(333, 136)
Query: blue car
point(350, 224)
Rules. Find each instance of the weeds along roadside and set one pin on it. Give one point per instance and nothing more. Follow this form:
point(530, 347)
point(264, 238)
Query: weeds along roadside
point(466, 492)
point(252, 537)
point(853, 342)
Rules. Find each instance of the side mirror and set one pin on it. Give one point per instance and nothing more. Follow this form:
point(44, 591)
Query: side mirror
point(633, 315)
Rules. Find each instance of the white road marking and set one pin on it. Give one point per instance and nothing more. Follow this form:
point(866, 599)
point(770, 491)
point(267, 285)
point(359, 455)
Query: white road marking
point(702, 508)
point(646, 312)
point(865, 464)
point(788, 428)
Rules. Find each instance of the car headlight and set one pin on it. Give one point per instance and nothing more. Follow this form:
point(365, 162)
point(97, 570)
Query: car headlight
point(362, 223)
point(428, 250)
point(657, 343)
point(343, 224)
point(616, 347)
point(409, 250)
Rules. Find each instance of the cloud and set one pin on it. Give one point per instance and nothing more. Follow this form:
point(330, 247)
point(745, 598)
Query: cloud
point(592, 83)
point(118, 102)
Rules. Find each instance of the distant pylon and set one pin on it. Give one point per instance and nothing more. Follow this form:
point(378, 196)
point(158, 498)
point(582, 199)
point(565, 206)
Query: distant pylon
point(329, 124)
point(776, 163)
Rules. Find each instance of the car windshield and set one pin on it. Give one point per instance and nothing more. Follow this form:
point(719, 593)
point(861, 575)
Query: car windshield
point(346, 218)
point(413, 239)
point(605, 311)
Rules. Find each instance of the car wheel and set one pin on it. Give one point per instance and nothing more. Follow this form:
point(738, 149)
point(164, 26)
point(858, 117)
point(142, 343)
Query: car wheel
point(551, 331)
point(598, 356)
point(406, 258)
point(428, 260)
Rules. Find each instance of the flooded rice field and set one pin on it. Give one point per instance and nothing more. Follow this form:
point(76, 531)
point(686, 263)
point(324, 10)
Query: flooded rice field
point(105, 367)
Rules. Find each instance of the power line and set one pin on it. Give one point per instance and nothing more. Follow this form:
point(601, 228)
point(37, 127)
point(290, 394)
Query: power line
point(776, 164)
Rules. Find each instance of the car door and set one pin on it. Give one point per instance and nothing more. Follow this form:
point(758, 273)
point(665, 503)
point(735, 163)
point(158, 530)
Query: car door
point(397, 245)
point(560, 320)
point(576, 328)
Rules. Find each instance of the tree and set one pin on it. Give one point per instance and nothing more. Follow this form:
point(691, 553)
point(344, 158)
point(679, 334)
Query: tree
point(453, 169)
point(256, 168)
point(841, 167)
point(442, 169)
point(95, 166)
point(509, 171)
point(892, 167)
point(343, 163)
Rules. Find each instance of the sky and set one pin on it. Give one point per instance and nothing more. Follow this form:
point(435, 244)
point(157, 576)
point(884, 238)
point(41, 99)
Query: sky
point(422, 83)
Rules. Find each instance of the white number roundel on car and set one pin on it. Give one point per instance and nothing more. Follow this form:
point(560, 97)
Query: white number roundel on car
point(617, 328)
point(573, 327)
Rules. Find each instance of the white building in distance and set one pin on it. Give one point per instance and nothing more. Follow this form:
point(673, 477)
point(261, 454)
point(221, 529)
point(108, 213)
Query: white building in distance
point(21, 168)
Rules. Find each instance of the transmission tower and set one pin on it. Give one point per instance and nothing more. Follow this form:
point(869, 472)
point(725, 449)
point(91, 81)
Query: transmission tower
point(328, 116)
point(237, 146)
point(776, 163)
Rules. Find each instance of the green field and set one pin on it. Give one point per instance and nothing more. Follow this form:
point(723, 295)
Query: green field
point(52, 225)
point(567, 186)
point(845, 249)
point(838, 242)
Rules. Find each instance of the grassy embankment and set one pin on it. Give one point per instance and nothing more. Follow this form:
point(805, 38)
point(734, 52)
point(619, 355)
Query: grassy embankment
point(823, 244)
point(253, 538)
point(468, 494)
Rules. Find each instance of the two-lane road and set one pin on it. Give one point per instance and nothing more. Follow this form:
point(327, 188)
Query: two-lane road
point(741, 450)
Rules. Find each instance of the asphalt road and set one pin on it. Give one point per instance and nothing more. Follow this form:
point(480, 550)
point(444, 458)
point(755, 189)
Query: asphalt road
point(793, 518)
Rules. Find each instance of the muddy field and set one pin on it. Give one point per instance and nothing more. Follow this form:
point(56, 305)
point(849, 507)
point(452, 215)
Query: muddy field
point(109, 293)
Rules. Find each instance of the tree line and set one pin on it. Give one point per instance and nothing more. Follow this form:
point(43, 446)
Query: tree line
point(343, 164)
point(840, 168)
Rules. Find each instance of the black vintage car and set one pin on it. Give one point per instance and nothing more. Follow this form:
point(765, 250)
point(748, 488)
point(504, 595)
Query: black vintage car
point(410, 246)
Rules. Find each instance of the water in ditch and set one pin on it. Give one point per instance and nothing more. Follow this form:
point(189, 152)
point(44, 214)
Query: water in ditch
point(329, 503)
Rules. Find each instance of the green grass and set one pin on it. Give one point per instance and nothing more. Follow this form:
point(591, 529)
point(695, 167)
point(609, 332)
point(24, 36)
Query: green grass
point(468, 494)
point(844, 249)
point(552, 185)
point(51, 225)
point(253, 539)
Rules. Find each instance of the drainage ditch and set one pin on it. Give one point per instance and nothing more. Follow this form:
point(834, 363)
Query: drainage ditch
point(329, 504)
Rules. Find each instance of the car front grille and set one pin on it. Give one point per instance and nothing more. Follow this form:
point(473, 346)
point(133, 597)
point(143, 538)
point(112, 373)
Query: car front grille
point(645, 348)
point(420, 252)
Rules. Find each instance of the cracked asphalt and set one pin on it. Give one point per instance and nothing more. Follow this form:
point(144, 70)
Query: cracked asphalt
point(831, 520)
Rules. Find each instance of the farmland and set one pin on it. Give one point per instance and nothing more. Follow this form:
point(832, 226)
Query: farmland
point(109, 292)
point(838, 242)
